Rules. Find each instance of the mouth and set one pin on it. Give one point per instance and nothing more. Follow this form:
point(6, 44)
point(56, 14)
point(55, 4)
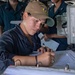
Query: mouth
point(37, 30)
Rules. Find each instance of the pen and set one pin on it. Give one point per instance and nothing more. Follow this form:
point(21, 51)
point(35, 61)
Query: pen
point(44, 47)
point(41, 37)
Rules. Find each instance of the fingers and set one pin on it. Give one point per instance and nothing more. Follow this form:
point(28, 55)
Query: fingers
point(44, 49)
point(52, 58)
point(48, 49)
point(45, 37)
point(52, 54)
point(46, 58)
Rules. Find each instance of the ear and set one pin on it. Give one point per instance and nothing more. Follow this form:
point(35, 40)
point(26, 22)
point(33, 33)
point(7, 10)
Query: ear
point(25, 15)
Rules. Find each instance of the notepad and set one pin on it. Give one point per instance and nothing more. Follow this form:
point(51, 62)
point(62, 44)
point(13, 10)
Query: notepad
point(49, 43)
point(63, 58)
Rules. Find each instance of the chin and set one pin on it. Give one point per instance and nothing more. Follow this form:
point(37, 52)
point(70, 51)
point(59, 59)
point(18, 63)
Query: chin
point(32, 34)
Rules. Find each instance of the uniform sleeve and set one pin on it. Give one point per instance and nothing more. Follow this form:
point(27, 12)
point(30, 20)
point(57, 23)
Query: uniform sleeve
point(6, 48)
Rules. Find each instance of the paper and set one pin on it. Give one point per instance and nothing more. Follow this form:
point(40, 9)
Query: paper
point(49, 43)
point(62, 58)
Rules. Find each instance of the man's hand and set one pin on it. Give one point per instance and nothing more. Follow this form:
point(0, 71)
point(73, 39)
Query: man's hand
point(46, 37)
point(44, 49)
point(46, 59)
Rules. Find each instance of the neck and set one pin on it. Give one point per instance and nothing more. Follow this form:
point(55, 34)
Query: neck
point(13, 4)
point(26, 33)
point(57, 4)
point(24, 29)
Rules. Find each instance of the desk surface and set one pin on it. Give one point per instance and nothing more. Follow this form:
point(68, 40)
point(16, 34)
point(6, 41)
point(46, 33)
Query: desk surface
point(25, 70)
point(67, 56)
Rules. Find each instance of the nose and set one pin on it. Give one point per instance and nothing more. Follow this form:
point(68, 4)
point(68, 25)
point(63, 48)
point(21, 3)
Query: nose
point(38, 25)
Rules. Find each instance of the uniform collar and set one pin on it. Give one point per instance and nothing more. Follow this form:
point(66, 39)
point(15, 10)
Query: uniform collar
point(19, 6)
point(61, 8)
point(22, 33)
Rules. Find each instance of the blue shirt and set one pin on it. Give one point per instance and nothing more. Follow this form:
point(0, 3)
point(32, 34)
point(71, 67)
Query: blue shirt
point(7, 14)
point(14, 42)
point(53, 30)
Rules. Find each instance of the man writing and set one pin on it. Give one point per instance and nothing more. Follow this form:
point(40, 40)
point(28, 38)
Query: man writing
point(18, 43)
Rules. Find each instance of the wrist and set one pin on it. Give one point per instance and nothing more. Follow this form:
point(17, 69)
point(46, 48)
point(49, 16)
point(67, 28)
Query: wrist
point(38, 63)
point(36, 60)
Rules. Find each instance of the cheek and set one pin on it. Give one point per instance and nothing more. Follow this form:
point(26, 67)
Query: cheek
point(30, 25)
point(53, 1)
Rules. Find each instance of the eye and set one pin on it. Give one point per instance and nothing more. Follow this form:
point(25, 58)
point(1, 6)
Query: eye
point(37, 20)
point(42, 25)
